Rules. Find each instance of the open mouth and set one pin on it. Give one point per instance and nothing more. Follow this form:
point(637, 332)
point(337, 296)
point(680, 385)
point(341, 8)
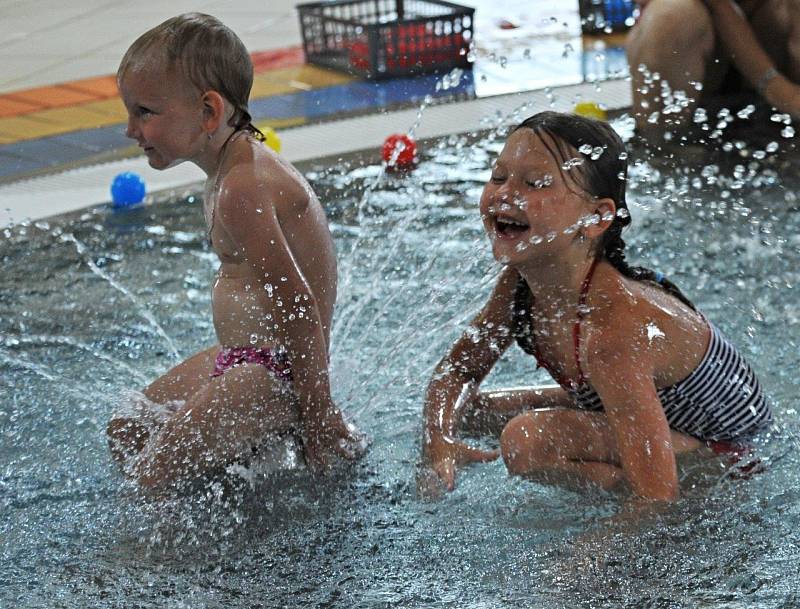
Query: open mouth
point(510, 228)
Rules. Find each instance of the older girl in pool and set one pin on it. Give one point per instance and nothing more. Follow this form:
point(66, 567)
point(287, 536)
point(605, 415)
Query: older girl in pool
point(642, 374)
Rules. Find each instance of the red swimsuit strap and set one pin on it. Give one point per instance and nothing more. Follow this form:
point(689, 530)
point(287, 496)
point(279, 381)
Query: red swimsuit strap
point(576, 330)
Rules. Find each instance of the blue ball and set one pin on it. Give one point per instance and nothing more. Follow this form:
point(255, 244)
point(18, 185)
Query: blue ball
point(127, 189)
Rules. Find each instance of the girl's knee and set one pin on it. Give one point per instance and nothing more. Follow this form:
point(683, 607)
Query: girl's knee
point(118, 427)
point(125, 437)
point(523, 443)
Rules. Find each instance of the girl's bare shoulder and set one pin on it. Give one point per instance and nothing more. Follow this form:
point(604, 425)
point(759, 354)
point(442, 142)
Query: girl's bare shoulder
point(623, 310)
point(256, 172)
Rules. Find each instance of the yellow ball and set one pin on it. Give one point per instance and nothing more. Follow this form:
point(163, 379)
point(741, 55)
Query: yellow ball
point(271, 138)
point(590, 110)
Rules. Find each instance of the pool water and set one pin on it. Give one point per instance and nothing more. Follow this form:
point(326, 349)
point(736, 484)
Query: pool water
point(97, 303)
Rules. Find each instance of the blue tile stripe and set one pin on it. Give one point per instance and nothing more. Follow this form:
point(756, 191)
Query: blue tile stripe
point(51, 152)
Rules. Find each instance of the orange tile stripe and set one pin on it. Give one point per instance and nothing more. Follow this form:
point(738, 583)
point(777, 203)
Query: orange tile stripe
point(85, 91)
point(281, 58)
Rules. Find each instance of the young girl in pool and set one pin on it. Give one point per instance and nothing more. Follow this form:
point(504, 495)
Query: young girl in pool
point(642, 374)
point(185, 84)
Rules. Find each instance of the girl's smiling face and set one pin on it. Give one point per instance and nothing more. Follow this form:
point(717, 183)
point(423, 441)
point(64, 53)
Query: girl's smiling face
point(531, 205)
point(164, 115)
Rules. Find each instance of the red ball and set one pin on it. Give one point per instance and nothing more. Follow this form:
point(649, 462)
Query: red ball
point(406, 156)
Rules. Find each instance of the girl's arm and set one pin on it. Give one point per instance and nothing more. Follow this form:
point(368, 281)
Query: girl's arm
point(250, 218)
point(751, 59)
point(621, 371)
point(456, 377)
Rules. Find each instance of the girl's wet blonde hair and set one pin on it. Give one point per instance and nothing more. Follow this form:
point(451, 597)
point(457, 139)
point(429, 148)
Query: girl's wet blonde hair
point(207, 53)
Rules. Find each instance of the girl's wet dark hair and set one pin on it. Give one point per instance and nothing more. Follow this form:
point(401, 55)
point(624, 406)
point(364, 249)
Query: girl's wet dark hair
point(208, 53)
point(602, 177)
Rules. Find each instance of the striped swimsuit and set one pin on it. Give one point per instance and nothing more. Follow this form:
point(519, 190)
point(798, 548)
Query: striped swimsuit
point(721, 400)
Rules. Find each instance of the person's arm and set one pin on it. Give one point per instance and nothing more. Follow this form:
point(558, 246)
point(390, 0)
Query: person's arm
point(751, 59)
point(248, 213)
point(621, 370)
point(456, 377)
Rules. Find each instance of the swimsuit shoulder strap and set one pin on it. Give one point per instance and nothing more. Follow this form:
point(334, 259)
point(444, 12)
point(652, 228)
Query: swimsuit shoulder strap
point(576, 330)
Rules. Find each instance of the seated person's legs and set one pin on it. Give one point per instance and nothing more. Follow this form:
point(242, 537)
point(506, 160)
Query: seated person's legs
point(675, 39)
point(220, 424)
point(569, 447)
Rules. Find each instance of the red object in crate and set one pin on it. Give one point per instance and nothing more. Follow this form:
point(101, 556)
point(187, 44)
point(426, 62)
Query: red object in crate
point(359, 55)
point(406, 155)
point(415, 45)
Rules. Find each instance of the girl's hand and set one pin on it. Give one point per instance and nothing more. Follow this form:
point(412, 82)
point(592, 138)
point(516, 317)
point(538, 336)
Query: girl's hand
point(441, 456)
point(330, 435)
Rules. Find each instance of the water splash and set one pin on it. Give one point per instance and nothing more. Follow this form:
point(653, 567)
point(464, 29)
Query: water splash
point(140, 308)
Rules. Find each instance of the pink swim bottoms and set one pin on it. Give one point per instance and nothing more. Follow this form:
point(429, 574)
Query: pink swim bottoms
point(274, 360)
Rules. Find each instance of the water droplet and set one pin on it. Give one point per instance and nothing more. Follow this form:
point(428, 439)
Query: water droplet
point(700, 115)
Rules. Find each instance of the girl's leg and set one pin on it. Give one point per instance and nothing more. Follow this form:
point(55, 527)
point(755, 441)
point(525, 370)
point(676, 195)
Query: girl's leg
point(219, 424)
point(674, 38)
point(490, 411)
point(568, 447)
point(128, 431)
point(184, 379)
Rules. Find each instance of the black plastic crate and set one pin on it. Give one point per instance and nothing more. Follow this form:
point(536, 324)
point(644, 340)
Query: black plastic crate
point(385, 38)
point(606, 16)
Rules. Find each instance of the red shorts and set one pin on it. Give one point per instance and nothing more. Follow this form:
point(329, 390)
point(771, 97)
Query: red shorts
point(737, 456)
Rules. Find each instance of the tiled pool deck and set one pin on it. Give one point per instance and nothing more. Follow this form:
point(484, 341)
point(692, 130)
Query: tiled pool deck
point(59, 107)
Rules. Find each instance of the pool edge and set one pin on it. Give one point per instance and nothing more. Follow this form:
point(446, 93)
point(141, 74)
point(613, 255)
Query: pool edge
point(40, 197)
